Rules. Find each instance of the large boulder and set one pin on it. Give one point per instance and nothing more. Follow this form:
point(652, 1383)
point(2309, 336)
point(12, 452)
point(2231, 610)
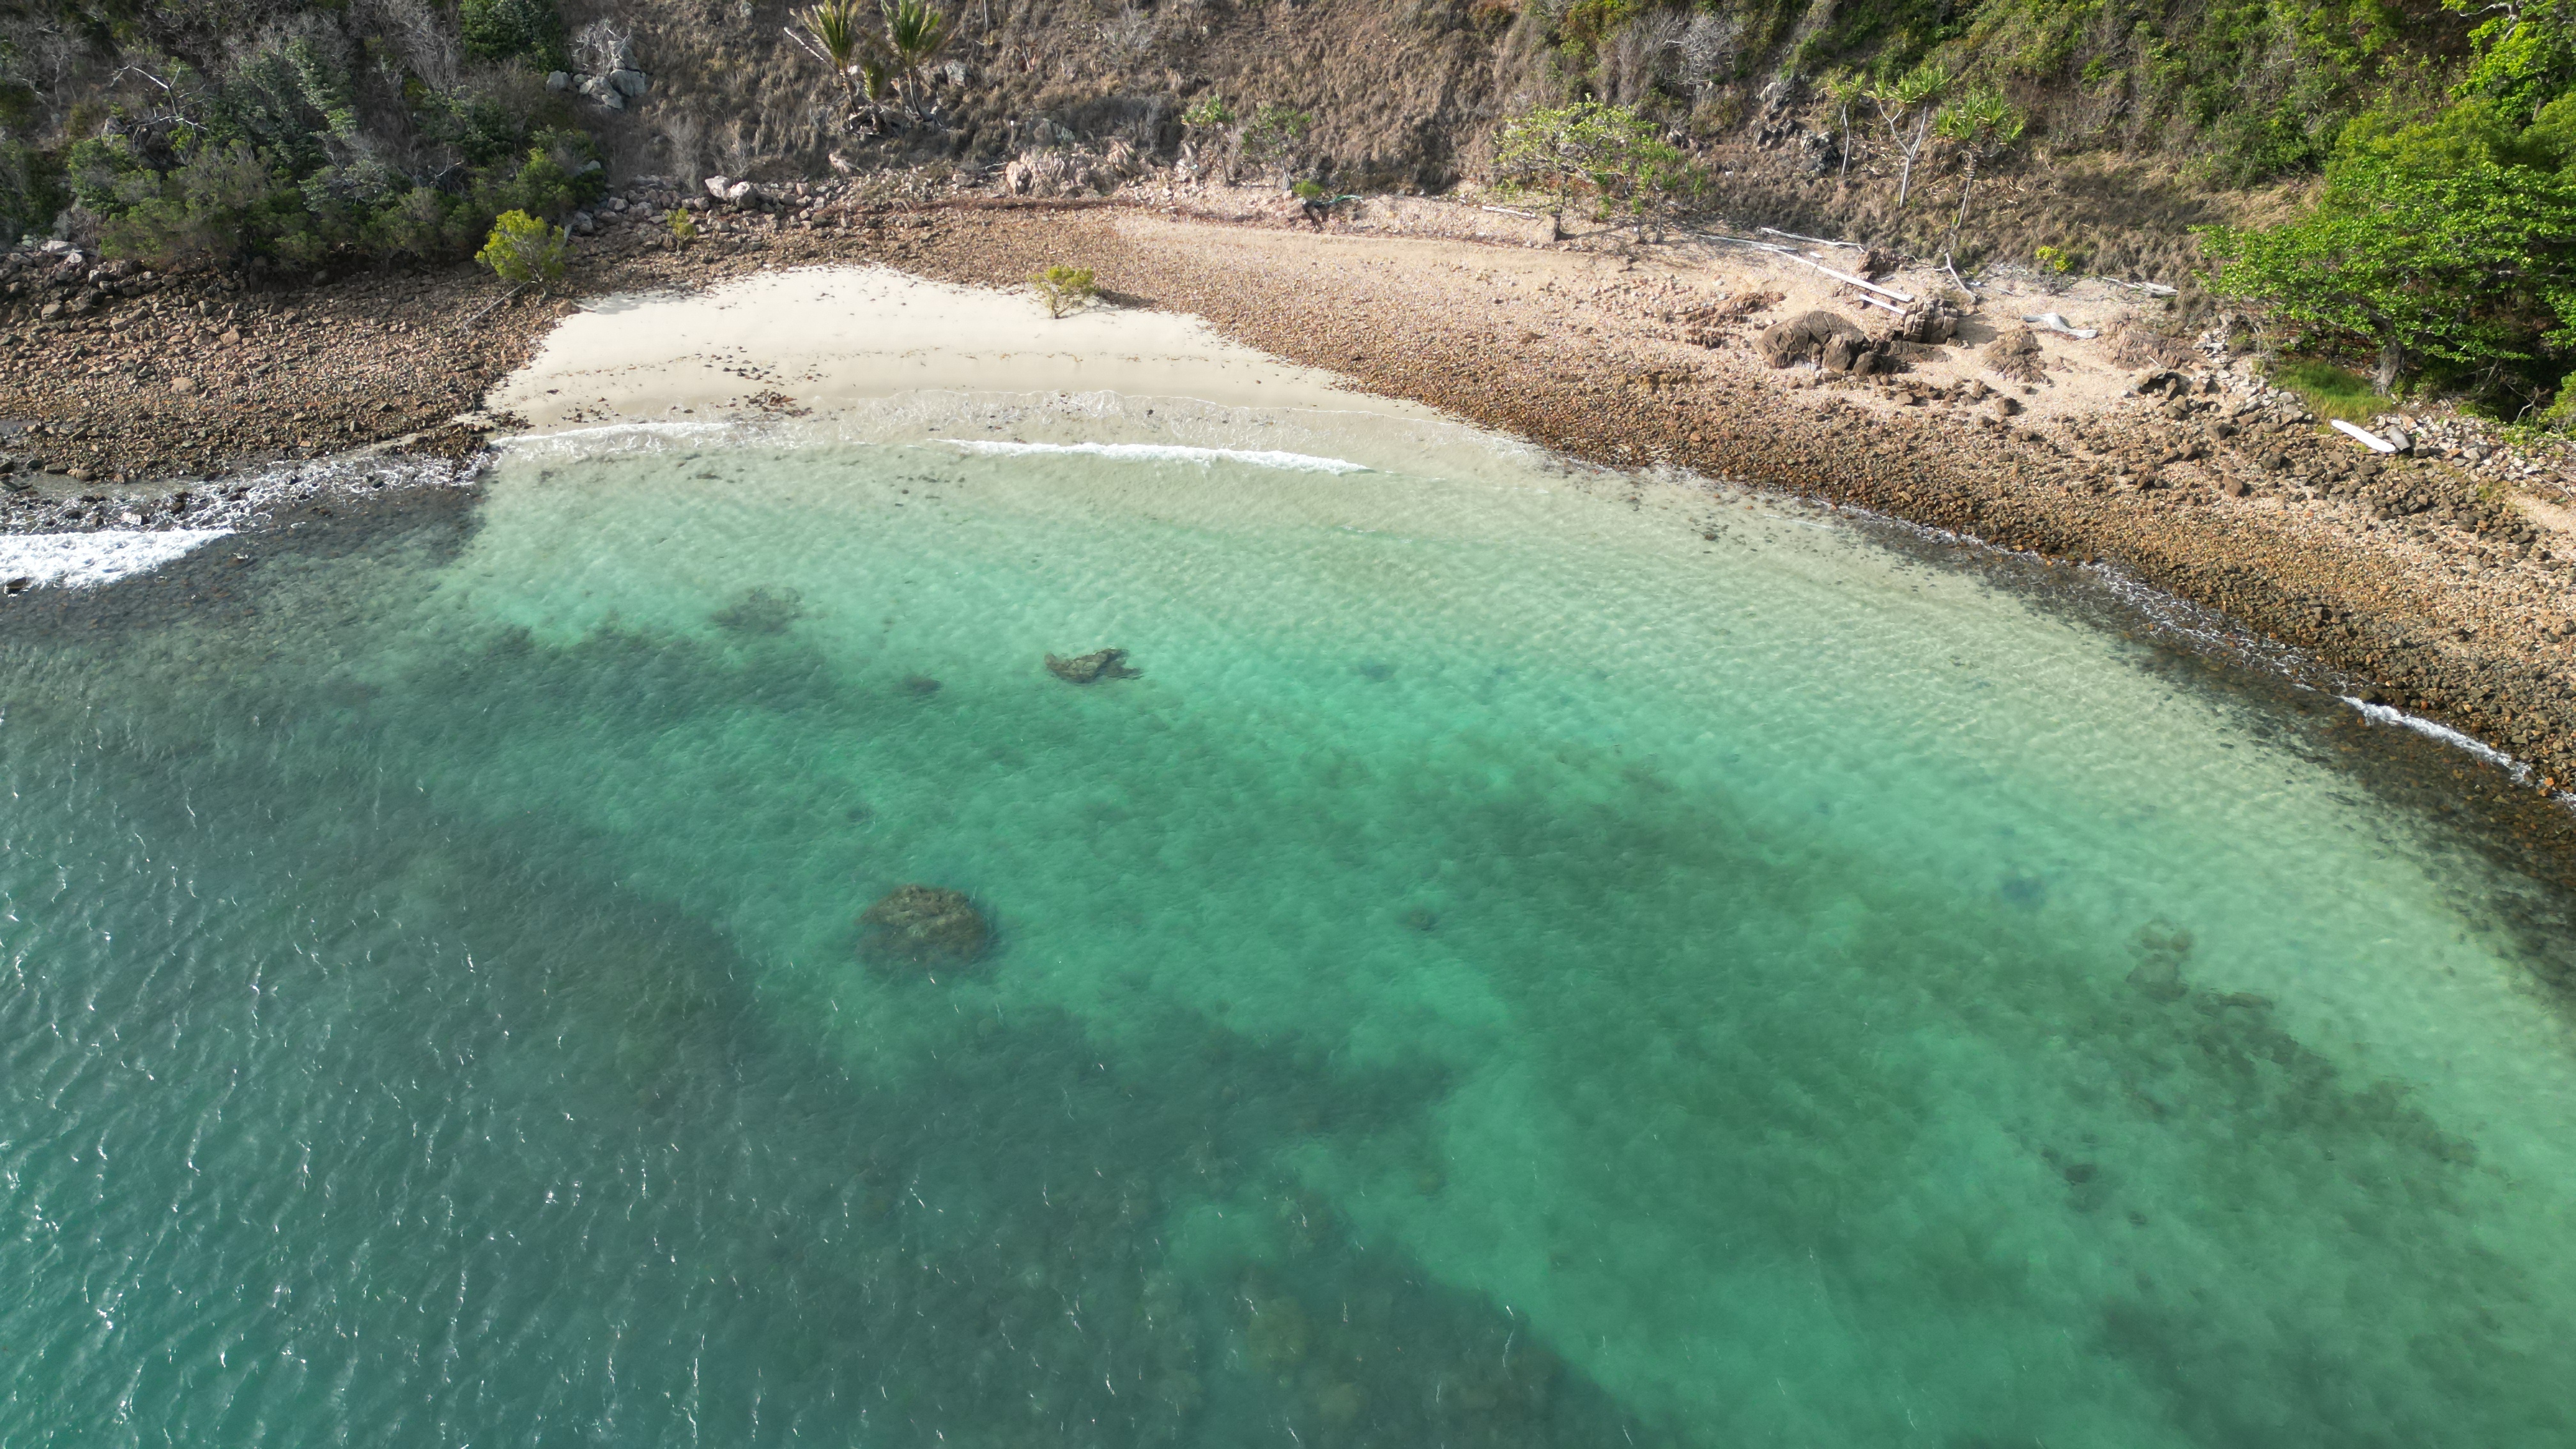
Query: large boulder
point(1803, 338)
point(926, 927)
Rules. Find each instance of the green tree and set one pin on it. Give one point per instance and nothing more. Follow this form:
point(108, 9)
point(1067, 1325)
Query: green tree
point(915, 34)
point(2473, 266)
point(1591, 147)
point(2523, 54)
point(1982, 125)
point(1273, 137)
point(1063, 289)
point(524, 251)
point(832, 32)
point(1913, 95)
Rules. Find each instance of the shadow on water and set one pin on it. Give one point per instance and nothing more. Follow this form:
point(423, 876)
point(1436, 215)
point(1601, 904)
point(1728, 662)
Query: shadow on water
point(575, 1168)
point(571, 1171)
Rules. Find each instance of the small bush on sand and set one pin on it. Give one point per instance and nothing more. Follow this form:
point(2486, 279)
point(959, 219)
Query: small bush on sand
point(683, 229)
point(524, 251)
point(1063, 289)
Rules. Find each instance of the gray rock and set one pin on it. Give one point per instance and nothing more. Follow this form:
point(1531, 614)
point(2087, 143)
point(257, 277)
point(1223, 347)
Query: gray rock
point(629, 82)
point(558, 80)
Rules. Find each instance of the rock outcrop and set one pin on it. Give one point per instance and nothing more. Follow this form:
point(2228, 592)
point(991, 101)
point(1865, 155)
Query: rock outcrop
point(925, 927)
point(1085, 668)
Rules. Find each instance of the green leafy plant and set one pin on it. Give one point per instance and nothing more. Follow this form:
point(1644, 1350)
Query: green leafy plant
point(915, 35)
point(523, 251)
point(682, 227)
point(1209, 112)
point(1982, 125)
point(1916, 94)
point(1590, 148)
point(2472, 265)
point(1062, 290)
point(834, 32)
point(2053, 261)
point(1272, 138)
point(529, 30)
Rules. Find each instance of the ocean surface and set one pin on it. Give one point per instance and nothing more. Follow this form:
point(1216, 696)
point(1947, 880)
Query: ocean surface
point(1534, 956)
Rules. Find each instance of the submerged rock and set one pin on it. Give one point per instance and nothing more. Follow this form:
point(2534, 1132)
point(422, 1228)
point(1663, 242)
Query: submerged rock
point(925, 926)
point(760, 611)
point(1084, 668)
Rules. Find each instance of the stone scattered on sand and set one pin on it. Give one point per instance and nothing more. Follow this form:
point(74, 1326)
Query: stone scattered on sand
point(920, 686)
point(929, 927)
point(1084, 668)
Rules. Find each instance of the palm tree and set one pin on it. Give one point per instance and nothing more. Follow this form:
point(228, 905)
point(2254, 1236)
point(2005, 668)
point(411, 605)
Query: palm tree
point(916, 34)
point(830, 31)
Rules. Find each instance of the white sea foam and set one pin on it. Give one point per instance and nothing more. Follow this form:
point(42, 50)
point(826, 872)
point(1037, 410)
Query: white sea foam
point(1166, 453)
point(2384, 714)
point(84, 560)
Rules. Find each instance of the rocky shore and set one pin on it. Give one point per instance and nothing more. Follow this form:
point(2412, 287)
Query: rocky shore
point(2441, 581)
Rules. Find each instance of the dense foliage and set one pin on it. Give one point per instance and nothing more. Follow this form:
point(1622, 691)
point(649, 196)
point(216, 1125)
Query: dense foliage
point(284, 132)
point(1608, 154)
point(2244, 88)
point(2444, 241)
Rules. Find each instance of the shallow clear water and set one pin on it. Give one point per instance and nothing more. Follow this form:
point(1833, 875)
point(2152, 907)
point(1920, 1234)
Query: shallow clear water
point(1534, 958)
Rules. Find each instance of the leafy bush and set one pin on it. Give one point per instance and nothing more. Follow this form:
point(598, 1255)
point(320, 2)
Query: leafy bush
point(1610, 153)
point(525, 251)
point(683, 228)
point(1272, 137)
point(2451, 242)
point(1063, 289)
point(529, 30)
point(1209, 112)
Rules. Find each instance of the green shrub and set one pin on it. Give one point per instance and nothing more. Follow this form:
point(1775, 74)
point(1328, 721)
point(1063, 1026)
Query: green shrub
point(221, 205)
point(524, 251)
point(529, 30)
point(1610, 153)
point(1272, 138)
point(684, 229)
point(1209, 112)
point(2450, 243)
point(1063, 289)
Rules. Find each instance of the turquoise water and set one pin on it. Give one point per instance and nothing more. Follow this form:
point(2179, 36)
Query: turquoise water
point(1534, 958)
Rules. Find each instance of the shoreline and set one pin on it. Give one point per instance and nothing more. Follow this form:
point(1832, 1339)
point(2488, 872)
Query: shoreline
point(1592, 353)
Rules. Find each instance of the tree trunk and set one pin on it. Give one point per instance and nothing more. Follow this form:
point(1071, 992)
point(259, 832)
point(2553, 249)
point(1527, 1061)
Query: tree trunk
point(1965, 186)
point(1905, 173)
point(2392, 361)
point(1845, 178)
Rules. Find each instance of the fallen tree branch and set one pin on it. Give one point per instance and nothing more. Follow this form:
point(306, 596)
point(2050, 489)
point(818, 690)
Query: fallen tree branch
point(2152, 289)
point(2377, 443)
point(1820, 241)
